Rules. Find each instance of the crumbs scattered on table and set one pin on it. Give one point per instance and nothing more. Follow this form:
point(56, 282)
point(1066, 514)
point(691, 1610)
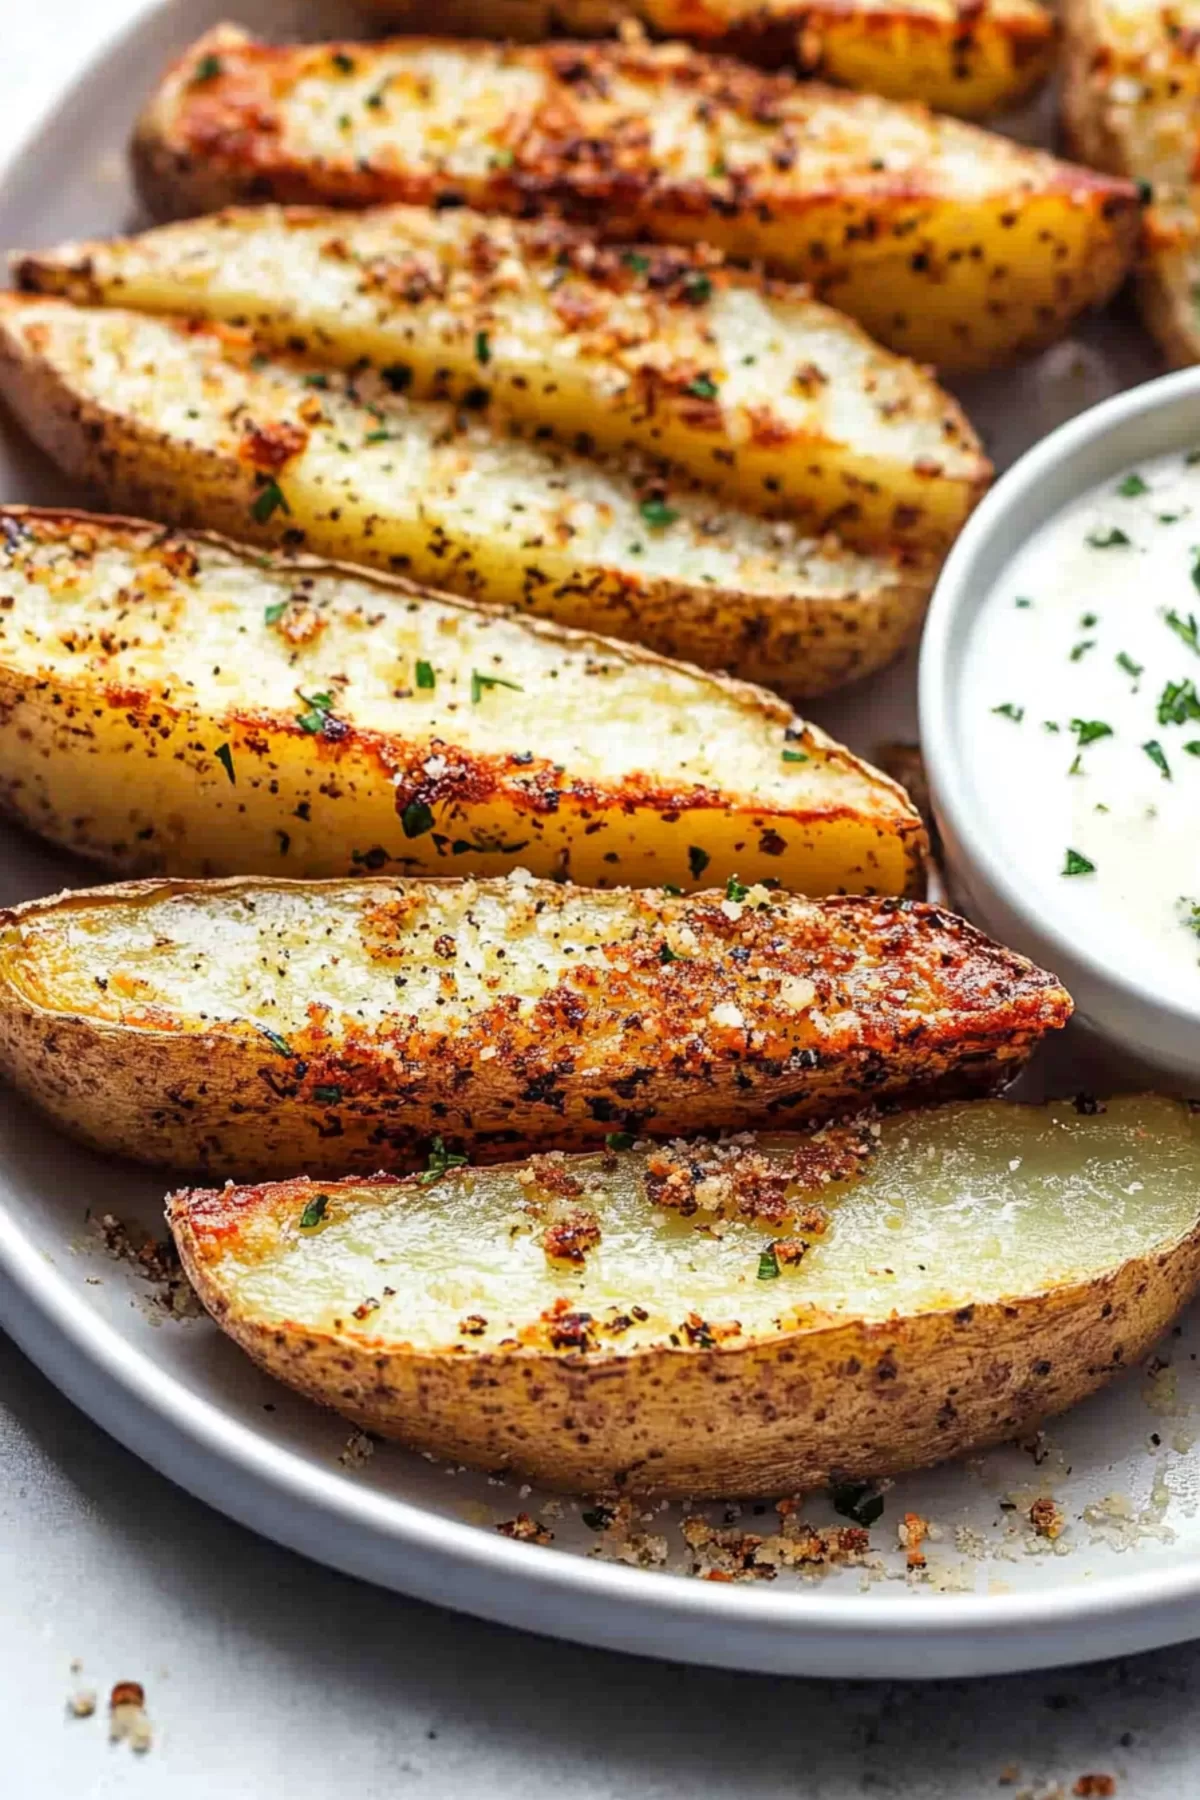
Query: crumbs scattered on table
point(525, 1530)
point(156, 1260)
point(1095, 1787)
point(1047, 1517)
point(81, 1703)
point(358, 1449)
point(128, 1721)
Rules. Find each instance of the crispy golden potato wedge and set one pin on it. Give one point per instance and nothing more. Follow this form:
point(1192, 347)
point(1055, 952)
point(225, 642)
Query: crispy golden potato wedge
point(249, 1027)
point(970, 61)
point(184, 704)
point(754, 1318)
point(776, 401)
point(949, 244)
point(1131, 103)
point(188, 424)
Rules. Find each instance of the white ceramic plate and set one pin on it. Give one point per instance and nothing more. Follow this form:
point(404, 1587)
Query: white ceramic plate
point(1124, 1576)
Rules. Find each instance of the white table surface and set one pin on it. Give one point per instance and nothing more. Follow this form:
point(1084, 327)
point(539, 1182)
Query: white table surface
point(265, 1674)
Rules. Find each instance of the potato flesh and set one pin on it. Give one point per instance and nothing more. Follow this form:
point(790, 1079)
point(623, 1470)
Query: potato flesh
point(960, 1205)
point(948, 244)
point(411, 488)
point(772, 398)
point(206, 641)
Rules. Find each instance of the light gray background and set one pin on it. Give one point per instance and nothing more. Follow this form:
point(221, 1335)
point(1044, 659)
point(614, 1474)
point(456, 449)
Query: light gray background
point(266, 1674)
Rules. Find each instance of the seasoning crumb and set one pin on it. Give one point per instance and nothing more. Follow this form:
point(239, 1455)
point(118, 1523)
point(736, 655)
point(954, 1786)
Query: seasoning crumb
point(82, 1703)
point(1097, 1786)
point(1046, 1517)
point(128, 1721)
point(913, 1531)
point(525, 1530)
point(358, 1449)
point(157, 1261)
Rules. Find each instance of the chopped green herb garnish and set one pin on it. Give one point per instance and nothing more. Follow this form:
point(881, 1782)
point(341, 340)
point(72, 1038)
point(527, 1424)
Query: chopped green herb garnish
point(1178, 703)
point(1190, 911)
point(667, 955)
point(483, 348)
point(319, 708)
point(225, 758)
point(439, 1160)
point(1130, 667)
point(1172, 518)
point(768, 1264)
point(480, 684)
point(314, 1212)
point(276, 1042)
point(1087, 620)
point(697, 288)
point(1051, 725)
point(1188, 629)
point(657, 514)
point(736, 890)
point(1112, 539)
point(327, 1096)
point(698, 860)
point(1008, 711)
point(503, 158)
point(398, 376)
point(375, 99)
point(1087, 731)
point(1193, 747)
point(1076, 767)
point(416, 819)
point(598, 1518)
point(1081, 649)
point(317, 379)
point(633, 259)
point(1076, 864)
point(1154, 751)
point(273, 614)
point(668, 887)
point(342, 63)
point(703, 388)
point(269, 500)
point(1023, 601)
point(1131, 487)
point(425, 675)
point(207, 69)
point(381, 437)
point(619, 1140)
point(794, 756)
point(857, 1500)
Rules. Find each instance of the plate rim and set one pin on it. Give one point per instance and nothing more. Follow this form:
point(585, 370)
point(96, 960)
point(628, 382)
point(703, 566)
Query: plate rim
point(400, 1544)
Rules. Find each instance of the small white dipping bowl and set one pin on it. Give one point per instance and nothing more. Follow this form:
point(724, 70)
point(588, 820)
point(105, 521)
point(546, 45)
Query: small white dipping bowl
point(1154, 419)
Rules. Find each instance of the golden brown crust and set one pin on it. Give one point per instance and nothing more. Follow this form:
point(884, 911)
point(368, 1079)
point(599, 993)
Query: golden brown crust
point(841, 1001)
point(852, 225)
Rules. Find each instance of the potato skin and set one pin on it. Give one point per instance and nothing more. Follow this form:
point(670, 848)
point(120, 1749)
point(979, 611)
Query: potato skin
point(230, 1099)
point(956, 273)
point(875, 1399)
point(959, 61)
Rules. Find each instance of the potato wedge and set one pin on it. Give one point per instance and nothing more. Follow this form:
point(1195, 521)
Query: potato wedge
point(776, 401)
point(970, 61)
point(949, 244)
point(183, 704)
point(249, 1027)
point(1131, 103)
point(186, 424)
point(871, 1304)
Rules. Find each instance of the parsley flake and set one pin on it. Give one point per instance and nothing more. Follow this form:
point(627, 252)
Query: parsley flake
point(276, 1042)
point(736, 890)
point(269, 500)
point(273, 614)
point(768, 1264)
point(319, 708)
point(1023, 601)
point(1188, 629)
point(1130, 667)
point(425, 675)
point(483, 348)
point(327, 1096)
point(1008, 711)
point(702, 388)
point(207, 69)
point(633, 259)
point(1154, 751)
point(480, 684)
point(439, 1161)
point(224, 756)
point(1132, 486)
point(657, 514)
point(1080, 650)
point(619, 1140)
point(794, 756)
point(698, 860)
point(1087, 731)
point(314, 1212)
point(697, 288)
point(342, 63)
point(1112, 539)
point(416, 819)
point(1076, 864)
point(1178, 703)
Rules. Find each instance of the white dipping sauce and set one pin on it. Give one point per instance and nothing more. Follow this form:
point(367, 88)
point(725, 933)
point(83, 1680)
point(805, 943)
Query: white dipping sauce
point(1080, 722)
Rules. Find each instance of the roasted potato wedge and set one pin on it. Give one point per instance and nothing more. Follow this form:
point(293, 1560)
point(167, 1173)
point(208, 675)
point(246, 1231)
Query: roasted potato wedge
point(250, 1027)
point(870, 1302)
point(963, 60)
point(776, 401)
point(183, 704)
point(949, 244)
point(185, 423)
point(1131, 101)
